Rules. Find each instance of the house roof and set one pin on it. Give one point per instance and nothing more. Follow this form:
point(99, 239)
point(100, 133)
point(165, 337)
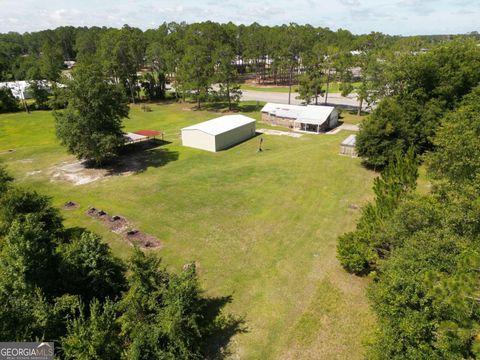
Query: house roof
point(283, 110)
point(315, 114)
point(221, 124)
point(350, 140)
point(310, 114)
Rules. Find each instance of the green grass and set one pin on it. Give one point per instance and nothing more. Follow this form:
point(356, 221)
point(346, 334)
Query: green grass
point(334, 87)
point(262, 226)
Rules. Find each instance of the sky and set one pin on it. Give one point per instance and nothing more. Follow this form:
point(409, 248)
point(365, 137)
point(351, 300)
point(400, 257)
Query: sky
point(396, 17)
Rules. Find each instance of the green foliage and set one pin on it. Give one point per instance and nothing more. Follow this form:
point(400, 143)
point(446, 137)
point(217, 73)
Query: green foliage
point(93, 336)
point(88, 268)
point(426, 291)
point(421, 88)
point(40, 94)
point(91, 125)
point(5, 180)
point(161, 312)
point(457, 155)
point(8, 102)
point(360, 251)
point(17, 204)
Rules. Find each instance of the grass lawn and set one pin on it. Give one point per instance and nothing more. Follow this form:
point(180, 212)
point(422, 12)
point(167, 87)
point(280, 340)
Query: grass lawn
point(333, 88)
point(261, 226)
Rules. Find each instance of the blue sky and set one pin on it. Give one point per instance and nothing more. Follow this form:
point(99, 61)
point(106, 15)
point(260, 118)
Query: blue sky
point(406, 17)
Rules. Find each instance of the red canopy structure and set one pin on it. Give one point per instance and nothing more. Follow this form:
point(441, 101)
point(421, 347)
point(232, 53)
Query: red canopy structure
point(148, 133)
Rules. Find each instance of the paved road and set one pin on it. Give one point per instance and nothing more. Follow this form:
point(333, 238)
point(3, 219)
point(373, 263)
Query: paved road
point(282, 98)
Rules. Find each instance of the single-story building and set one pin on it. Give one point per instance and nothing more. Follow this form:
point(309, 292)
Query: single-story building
point(347, 147)
point(220, 133)
point(310, 118)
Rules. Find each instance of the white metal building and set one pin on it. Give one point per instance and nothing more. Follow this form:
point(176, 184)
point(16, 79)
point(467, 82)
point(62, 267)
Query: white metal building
point(310, 118)
point(220, 133)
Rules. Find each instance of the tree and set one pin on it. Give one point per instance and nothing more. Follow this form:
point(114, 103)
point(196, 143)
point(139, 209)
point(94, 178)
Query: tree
point(196, 68)
point(161, 313)
point(312, 80)
point(95, 336)
point(226, 74)
point(383, 133)
point(91, 125)
point(39, 94)
point(51, 61)
point(89, 269)
point(5, 180)
point(8, 103)
point(360, 251)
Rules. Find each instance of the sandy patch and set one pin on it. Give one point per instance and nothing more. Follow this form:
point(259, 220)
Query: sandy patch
point(279, 133)
point(76, 173)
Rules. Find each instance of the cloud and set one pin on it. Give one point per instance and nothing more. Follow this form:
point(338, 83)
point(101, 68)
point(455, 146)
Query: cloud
point(358, 16)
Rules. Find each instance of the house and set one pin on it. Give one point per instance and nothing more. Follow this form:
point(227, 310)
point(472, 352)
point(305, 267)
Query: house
point(220, 133)
point(347, 147)
point(310, 118)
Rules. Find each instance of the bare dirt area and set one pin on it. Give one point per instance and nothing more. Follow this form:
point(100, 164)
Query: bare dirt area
point(135, 158)
point(70, 205)
point(76, 173)
point(119, 225)
point(279, 133)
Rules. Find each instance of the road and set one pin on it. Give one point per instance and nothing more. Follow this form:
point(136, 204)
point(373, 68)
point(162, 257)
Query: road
point(282, 98)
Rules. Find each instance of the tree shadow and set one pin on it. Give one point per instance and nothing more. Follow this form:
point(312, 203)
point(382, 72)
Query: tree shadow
point(222, 328)
point(223, 107)
point(138, 157)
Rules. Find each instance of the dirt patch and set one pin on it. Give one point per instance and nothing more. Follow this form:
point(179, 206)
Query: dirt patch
point(70, 205)
point(77, 173)
point(279, 133)
point(7, 151)
point(134, 158)
point(119, 225)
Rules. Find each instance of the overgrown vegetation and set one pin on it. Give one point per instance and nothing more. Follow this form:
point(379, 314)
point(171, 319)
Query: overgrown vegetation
point(65, 284)
point(422, 250)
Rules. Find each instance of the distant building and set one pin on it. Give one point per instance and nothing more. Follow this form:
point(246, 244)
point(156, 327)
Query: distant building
point(20, 89)
point(220, 133)
point(310, 118)
point(347, 147)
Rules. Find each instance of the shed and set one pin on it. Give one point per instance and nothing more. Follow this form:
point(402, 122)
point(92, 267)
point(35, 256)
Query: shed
point(347, 147)
point(220, 133)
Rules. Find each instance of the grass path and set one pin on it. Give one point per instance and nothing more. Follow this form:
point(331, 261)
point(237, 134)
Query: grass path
point(262, 227)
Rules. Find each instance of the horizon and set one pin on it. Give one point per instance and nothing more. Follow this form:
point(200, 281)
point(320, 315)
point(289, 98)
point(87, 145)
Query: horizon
point(421, 18)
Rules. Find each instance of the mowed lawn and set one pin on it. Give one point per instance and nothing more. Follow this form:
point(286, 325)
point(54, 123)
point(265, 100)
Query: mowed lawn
point(334, 87)
point(262, 227)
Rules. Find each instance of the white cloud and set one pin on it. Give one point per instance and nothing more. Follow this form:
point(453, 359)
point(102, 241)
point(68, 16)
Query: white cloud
point(359, 16)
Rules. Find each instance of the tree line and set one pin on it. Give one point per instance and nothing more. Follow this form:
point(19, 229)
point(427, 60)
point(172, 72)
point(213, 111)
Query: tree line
point(64, 285)
point(193, 57)
point(422, 249)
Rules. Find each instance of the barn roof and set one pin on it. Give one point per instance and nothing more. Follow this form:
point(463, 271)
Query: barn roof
point(221, 124)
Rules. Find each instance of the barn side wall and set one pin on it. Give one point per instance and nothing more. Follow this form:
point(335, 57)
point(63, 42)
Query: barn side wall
point(198, 139)
point(234, 136)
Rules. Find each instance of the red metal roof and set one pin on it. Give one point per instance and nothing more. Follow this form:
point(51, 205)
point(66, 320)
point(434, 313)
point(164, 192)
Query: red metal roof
point(149, 133)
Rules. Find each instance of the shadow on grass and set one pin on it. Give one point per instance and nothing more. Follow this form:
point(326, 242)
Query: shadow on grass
point(223, 107)
point(222, 328)
point(138, 157)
